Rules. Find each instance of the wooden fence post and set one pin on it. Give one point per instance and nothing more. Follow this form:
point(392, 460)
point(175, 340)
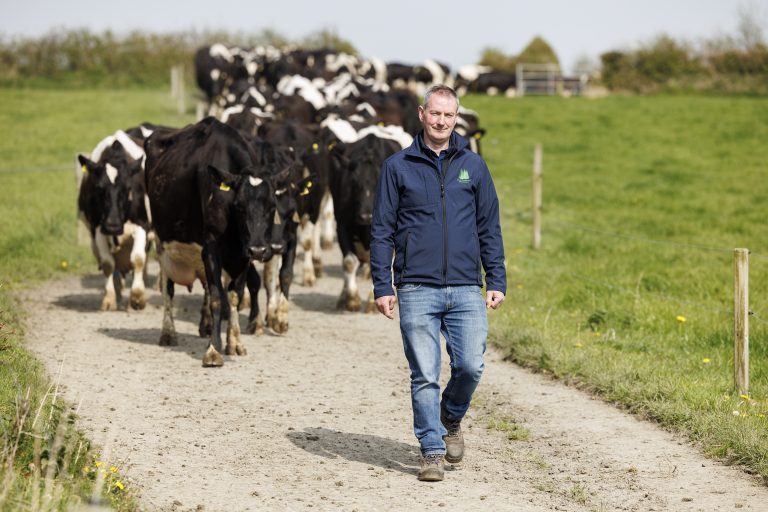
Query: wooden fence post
point(741, 320)
point(537, 157)
point(177, 88)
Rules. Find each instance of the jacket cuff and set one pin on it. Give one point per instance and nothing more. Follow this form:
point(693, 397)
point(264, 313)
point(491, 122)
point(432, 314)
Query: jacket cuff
point(383, 291)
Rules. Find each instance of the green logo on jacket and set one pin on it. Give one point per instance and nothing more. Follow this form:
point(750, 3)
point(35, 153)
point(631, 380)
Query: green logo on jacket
point(463, 176)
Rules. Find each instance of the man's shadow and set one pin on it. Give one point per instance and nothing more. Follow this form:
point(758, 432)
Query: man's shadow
point(365, 448)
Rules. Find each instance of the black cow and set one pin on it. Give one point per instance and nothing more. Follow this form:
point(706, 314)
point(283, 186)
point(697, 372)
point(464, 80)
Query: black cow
point(494, 82)
point(289, 183)
point(212, 209)
point(111, 203)
point(353, 186)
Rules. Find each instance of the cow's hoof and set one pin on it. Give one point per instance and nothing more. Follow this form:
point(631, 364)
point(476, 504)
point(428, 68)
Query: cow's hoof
point(168, 340)
point(236, 349)
point(256, 327)
point(138, 301)
point(309, 278)
point(212, 358)
point(349, 302)
point(109, 304)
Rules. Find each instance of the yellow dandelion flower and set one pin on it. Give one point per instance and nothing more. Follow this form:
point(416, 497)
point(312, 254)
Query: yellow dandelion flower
point(744, 397)
point(520, 286)
point(113, 469)
point(578, 344)
point(97, 463)
point(681, 319)
point(706, 360)
point(119, 485)
point(64, 264)
point(86, 469)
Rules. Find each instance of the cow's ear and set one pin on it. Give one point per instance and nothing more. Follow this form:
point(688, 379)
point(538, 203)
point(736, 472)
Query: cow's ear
point(224, 180)
point(86, 164)
point(304, 185)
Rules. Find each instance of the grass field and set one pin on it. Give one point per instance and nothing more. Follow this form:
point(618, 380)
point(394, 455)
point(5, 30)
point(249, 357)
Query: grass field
point(631, 293)
point(630, 296)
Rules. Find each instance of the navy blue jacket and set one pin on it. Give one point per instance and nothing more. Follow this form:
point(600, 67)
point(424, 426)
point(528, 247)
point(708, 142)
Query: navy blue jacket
point(440, 216)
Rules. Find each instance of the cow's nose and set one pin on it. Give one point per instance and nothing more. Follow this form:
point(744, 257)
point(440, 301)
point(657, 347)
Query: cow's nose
point(257, 252)
point(112, 228)
point(278, 248)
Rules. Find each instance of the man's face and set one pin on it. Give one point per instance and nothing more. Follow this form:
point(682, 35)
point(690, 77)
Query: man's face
point(438, 118)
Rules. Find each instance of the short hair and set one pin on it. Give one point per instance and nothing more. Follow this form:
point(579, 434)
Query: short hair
point(441, 89)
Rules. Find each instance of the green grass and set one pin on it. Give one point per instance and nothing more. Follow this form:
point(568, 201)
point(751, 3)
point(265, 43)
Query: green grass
point(41, 131)
point(631, 293)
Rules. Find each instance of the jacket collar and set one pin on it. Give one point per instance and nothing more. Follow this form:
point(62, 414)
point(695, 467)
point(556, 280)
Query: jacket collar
point(419, 149)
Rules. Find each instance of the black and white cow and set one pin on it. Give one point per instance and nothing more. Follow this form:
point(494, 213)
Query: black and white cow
point(353, 186)
point(212, 211)
point(468, 126)
point(111, 204)
point(494, 82)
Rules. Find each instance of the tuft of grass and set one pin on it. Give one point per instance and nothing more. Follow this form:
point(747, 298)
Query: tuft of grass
point(579, 494)
point(506, 424)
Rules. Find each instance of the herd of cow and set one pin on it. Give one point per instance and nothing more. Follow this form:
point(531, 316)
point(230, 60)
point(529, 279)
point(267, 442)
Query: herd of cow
point(293, 143)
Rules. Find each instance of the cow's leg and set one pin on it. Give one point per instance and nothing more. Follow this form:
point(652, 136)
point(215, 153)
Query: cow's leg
point(286, 278)
point(219, 304)
point(168, 336)
point(253, 280)
point(234, 346)
point(317, 261)
point(205, 327)
point(272, 286)
point(138, 263)
point(107, 266)
point(349, 298)
point(306, 235)
point(326, 221)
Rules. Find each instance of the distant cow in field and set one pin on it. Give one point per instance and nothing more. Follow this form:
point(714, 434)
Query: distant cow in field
point(212, 207)
point(111, 203)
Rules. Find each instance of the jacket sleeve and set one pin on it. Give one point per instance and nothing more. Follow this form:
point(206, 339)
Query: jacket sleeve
point(383, 228)
point(489, 234)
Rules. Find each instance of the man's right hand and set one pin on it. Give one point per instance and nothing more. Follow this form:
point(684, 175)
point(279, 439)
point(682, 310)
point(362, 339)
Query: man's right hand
point(386, 305)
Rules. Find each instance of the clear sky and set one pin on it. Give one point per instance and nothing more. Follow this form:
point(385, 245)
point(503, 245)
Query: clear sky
point(407, 31)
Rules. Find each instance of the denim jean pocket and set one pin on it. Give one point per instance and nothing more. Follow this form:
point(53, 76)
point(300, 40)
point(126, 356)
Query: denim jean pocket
point(408, 287)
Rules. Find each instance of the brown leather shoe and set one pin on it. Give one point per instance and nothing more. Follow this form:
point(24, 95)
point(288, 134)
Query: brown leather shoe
point(432, 468)
point(454, 440)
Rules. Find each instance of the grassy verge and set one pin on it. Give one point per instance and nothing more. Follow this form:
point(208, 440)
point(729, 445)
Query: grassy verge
point(40, 133)
point(631, 294)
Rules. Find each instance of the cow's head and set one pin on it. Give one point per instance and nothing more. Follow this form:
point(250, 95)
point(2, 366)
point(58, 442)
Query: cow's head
point(110, 180)
point(361, 164)
point(250, 199)
point(290, 185)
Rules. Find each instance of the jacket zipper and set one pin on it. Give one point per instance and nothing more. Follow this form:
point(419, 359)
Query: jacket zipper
point(442, 173)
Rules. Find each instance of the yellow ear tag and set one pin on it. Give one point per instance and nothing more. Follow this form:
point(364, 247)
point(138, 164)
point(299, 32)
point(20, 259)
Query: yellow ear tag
point(315, 146)
point(331, 146)
point(84, 169)
point(224, 187)
point(478, 135)
point(306, 189)
point(381, 123)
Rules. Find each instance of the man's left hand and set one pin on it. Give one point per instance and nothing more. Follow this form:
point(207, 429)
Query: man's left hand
point(493, 299)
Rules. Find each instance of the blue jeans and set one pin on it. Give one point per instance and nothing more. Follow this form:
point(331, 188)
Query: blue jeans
point(458, 312)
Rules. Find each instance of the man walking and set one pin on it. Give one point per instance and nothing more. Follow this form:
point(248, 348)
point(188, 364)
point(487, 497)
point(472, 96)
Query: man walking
point(436, 209)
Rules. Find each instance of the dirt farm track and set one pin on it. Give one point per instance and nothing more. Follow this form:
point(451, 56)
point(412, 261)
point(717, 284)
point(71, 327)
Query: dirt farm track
point(320, 419)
